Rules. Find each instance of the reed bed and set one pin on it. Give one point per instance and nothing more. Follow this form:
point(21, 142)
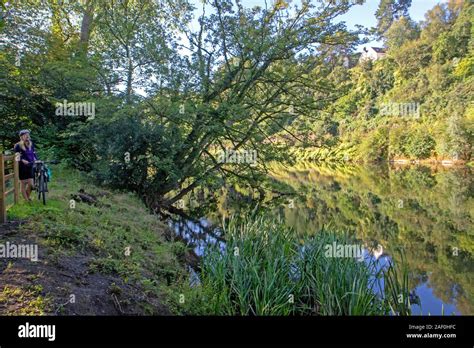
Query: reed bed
point(266, 269)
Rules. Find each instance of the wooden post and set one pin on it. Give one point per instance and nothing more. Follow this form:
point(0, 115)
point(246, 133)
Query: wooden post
point(16, 180)
point(3, 203)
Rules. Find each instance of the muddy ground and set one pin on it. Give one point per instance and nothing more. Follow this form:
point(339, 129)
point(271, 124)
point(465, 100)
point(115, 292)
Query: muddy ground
point(59, 284)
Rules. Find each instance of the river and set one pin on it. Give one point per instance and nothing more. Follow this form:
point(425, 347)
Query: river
point(425, 212)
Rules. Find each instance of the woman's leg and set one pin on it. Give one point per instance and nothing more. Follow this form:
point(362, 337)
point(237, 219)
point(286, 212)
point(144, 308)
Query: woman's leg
point(24, 184)
point(30, 187)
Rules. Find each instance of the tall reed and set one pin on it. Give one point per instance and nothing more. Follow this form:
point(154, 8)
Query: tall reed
point(266, 269)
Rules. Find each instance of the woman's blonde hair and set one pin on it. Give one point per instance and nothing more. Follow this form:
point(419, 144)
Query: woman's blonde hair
point(22, 145)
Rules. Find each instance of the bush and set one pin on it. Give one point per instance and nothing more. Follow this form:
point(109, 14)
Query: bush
point(397, 141)
point(375, 146)
point(419, 145)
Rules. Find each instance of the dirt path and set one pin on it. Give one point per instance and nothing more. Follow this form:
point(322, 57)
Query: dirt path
point(59, 284)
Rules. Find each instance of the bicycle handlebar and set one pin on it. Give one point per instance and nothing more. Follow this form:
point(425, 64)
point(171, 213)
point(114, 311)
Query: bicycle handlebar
point(50, 162)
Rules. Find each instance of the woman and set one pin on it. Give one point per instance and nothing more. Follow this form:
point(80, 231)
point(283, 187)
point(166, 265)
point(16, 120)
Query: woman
point(27, 157)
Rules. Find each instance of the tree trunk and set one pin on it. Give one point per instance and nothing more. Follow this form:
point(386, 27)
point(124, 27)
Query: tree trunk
point(86, 25)
point(129, 79)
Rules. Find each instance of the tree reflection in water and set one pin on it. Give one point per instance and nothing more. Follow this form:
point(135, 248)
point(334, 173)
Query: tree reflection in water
point(425, 211)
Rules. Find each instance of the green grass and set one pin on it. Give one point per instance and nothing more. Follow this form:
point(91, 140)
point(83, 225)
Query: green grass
point(118, 224)
point(267, 270)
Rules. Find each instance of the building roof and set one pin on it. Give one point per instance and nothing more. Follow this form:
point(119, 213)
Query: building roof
point(378, 49)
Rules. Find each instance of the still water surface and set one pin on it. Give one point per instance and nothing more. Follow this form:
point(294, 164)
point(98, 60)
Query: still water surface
point(426, 212)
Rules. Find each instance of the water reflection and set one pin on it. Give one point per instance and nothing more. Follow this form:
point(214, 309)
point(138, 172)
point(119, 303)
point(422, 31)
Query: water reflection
point(425, 212)
point(198, 234)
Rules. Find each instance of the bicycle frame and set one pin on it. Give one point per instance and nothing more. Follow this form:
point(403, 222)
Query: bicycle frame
point(40, 180)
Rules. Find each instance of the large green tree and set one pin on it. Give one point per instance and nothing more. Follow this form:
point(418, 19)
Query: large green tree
point(241, 74)
point(389, 11)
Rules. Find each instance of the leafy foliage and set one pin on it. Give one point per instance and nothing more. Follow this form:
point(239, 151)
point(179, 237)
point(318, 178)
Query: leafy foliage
point(414, 102)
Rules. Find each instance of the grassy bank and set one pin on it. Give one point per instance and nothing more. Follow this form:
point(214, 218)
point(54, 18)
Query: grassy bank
point(111, 242)
point(267, 269)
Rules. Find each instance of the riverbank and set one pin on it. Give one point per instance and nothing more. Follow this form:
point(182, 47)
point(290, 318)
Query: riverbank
point(99, 253)
point(350, 154)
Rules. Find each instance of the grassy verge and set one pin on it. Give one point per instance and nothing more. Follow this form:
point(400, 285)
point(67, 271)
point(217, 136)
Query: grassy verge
point(117, 234)
point(267, 270)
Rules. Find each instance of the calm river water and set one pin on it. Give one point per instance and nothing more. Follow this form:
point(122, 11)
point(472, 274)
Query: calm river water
point(426, 212)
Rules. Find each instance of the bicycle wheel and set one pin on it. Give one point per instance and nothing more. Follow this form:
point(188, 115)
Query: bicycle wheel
point(41, 188)
point(45, 188)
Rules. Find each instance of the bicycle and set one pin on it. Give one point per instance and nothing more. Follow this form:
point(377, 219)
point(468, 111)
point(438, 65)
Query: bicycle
point(41, 179)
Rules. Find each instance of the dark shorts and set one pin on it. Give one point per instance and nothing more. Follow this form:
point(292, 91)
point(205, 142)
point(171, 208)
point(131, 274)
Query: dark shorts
point(26, 172)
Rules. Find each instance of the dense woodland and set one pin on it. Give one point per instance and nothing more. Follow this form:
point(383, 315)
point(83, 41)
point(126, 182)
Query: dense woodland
point(429, 64)
point(169, 93)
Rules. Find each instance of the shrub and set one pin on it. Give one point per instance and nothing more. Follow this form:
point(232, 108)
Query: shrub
point(374, 147)
point(419, 144)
